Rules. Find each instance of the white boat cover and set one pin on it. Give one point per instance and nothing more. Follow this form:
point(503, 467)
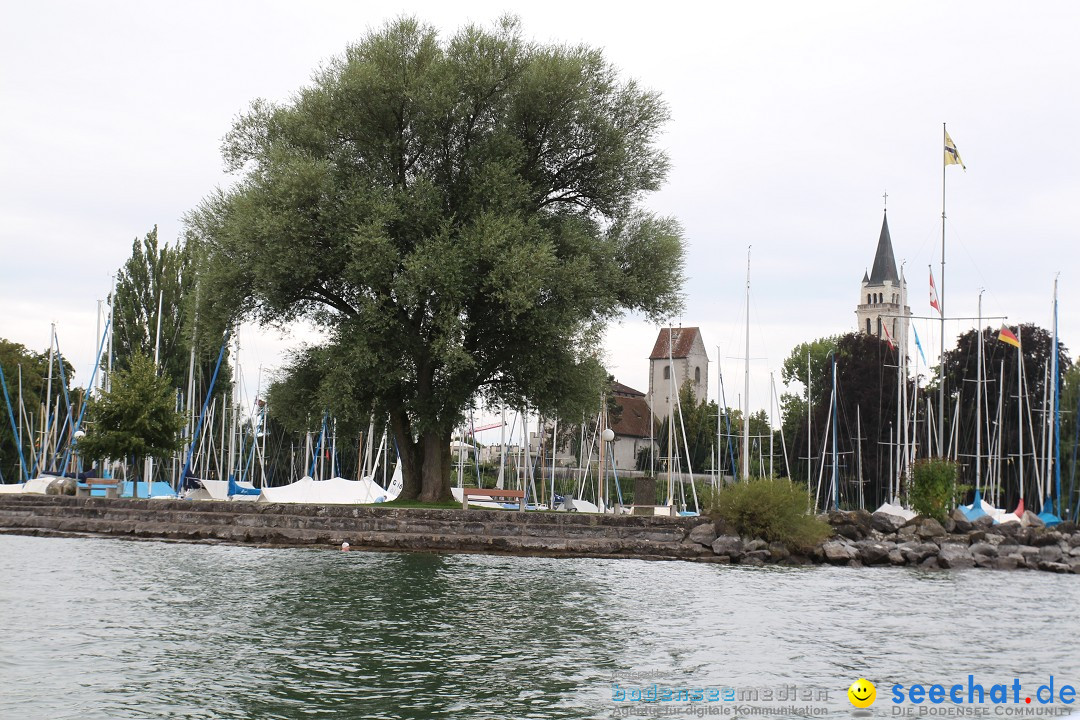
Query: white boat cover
point(219, 490)
point(895, 509)
point(998, 514)
point(335, 491)
point(12, 488)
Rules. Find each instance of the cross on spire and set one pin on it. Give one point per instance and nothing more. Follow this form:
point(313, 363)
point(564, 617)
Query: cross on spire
point(886, 196)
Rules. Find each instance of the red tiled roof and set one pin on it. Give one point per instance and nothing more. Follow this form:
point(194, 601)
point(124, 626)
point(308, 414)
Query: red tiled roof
point(619, 389)
point(634, 421)
point(682, 340)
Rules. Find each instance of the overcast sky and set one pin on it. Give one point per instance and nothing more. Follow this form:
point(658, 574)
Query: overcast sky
point(789, 121)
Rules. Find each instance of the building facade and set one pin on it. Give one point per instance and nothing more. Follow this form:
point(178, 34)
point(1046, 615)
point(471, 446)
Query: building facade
point(882, 309)
point(678, 354)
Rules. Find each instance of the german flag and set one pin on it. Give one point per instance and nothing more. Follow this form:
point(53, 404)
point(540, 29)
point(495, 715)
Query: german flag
point(1006, 335)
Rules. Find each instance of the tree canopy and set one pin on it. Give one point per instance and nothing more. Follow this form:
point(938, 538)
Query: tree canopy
point(161, 272)
point(135, 419)
point(462, 214)
point(33, 368)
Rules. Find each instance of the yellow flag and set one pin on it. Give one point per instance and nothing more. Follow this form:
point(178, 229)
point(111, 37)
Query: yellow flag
point(952, 157)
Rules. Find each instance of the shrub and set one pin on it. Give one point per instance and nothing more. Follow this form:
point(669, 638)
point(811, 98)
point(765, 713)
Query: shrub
point(773, 509)
point(933, 487)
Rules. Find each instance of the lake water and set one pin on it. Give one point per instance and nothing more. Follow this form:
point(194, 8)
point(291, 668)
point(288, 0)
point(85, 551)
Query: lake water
point(95, 628)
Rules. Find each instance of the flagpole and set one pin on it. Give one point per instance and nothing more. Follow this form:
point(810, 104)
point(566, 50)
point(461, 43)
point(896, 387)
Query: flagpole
point(941, 309)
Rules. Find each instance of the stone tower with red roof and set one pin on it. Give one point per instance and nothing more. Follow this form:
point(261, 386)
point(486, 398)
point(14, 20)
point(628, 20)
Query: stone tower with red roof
point(677, 356)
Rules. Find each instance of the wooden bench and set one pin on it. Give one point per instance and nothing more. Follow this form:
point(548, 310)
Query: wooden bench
point(110, 485)
point(492, 493)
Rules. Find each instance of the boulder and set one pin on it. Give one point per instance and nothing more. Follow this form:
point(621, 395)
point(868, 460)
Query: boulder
point(984, 548)
point(1007, 562)
point(1050, 553)
point(703, 534)
point(953, 555)
point(730, 545)
point(886, 523)
point(1074, 540)
point(983, 522)
point(1009, 529)
point(873, 553)
point(960, 520)
point(1030, 519)
point(1057, 567)
point(906, 533)
point(778, 551)
point(896, 557)
point(755, 557)
point(1044, 536)
point(838, 552)
point(929, 528)
point(755, 545)
point(930, 563)
point(916, 552)
point(852, 525)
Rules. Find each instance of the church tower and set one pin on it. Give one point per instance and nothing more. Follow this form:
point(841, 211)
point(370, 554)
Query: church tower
point(883, 310)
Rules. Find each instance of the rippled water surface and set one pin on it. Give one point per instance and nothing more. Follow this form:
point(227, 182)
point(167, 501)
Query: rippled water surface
point(94, 628)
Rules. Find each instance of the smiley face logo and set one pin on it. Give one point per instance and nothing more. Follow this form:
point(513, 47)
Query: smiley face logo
point(862, 693)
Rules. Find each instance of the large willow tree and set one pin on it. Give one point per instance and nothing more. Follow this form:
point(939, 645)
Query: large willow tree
point(461, 214)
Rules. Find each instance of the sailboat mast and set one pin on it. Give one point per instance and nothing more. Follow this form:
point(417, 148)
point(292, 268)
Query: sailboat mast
point(835, 457)
point(746, 379)
point(809, 447)
point(941, 308)
point(858, 454)
point(719, 411)
point(1056, 428)
point(1020, 411)
point(978, 401)
point(671, 419)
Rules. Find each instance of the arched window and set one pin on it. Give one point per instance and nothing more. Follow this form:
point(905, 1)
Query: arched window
point(697, 374)
point(868, 301)
point(667, 372)
point(879, 327)
point(894, 328)
point(867, 326)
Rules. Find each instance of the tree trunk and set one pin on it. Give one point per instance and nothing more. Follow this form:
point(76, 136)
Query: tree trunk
point(425, 464)
point(436, 469)
point(411, 460)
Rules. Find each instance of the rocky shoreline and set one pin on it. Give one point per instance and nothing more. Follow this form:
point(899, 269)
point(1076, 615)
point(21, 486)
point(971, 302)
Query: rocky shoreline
point(859, 538)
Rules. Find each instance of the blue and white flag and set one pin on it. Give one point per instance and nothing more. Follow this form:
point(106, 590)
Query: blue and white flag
point(919, 345)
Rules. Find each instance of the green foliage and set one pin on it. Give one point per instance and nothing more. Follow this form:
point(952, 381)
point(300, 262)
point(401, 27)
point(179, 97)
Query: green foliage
point(461, 214)
point(819, 352)
point(1000, 365)
point(933, 487)
point(156, 272)
point(774, 510)
point(34, 368)
point(136, 418)
point(866, 369)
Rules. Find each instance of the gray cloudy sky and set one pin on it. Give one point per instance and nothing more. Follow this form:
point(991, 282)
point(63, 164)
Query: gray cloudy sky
point(790, 119)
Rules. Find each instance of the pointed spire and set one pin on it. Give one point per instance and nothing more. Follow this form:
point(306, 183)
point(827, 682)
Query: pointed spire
point(865, 277)
point(884, 260)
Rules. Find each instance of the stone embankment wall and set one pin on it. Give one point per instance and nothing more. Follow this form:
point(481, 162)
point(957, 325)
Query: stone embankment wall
point(859, 538)
point(362, 526)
